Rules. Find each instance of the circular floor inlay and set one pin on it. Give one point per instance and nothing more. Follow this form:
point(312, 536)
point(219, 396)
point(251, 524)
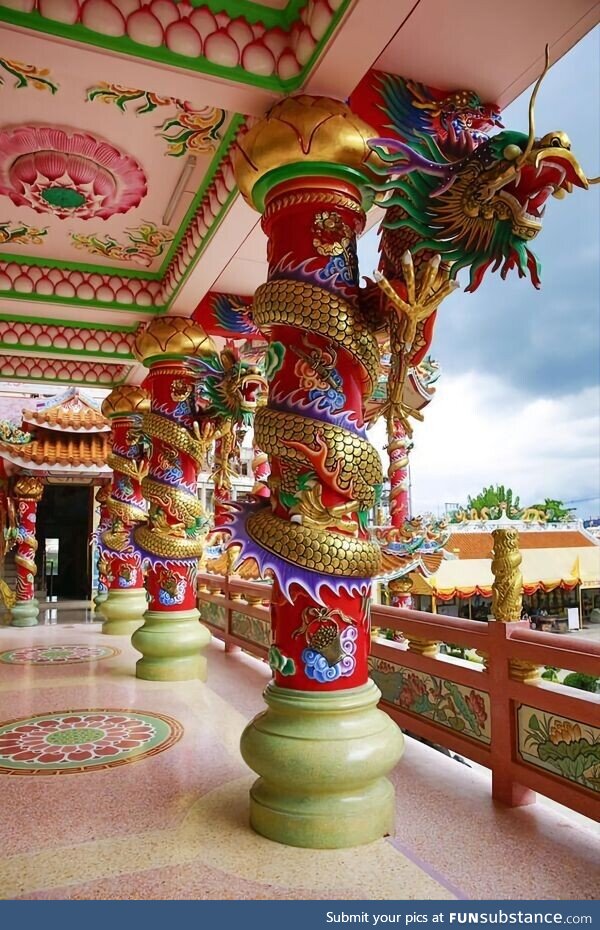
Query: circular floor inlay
point(63, 654)
point(83, 740)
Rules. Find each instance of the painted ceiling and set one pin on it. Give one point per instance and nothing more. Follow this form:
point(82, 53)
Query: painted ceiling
point(117, 121)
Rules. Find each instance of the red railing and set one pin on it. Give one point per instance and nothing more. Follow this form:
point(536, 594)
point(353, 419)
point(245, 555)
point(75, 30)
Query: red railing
point(534, 735)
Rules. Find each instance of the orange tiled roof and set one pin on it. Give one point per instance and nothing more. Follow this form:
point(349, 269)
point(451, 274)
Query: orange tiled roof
point(76, 451)
point(479, 545)
point(62, 418)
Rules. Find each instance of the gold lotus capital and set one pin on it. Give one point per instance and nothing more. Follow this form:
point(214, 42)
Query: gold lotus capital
point(300, 130)
point(126, 399)
point(172, 336)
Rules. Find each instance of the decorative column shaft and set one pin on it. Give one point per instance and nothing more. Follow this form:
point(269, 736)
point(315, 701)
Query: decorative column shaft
point(125, 604)
point(104, 522)
point(28, 493)
point(398, 449)
point(172, 543)
point(322, 748)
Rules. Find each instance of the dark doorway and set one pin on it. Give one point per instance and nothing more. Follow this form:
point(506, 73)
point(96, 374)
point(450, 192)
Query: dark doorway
point(65, 519)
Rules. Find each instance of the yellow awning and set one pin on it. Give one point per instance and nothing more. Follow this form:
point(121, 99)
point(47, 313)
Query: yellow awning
point(546, 566)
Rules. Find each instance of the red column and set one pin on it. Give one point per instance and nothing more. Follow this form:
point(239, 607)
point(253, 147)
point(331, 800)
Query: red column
point(126, 504)
point(322, 467)
point(173, 541)
point(222, 477)
point(171, 488)
point(102, 495)
point(28, 493)
point(398, 448)
point(321, 748)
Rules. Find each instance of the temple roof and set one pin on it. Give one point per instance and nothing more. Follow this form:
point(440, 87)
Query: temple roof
point(67, 434)
point(480, 545)
point(59, 454)
point(71, 411)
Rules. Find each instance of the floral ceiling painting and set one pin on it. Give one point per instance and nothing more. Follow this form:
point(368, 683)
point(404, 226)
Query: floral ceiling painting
point(102, 176)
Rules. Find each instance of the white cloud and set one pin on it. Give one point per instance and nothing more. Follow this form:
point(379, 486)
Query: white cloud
point(477, 432)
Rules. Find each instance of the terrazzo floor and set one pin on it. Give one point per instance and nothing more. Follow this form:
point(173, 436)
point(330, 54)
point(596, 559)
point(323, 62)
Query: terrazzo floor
point(112, 787)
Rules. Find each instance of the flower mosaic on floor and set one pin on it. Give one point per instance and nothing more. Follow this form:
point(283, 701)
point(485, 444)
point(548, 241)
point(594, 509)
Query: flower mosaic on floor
point(79, 741)
point(63, 654)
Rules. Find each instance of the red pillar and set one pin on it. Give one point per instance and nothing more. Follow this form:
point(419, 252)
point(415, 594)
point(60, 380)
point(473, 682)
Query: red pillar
point(28, 493)
point(125, 604)
point(305, 167)
point(172, 542)
point(398, 448)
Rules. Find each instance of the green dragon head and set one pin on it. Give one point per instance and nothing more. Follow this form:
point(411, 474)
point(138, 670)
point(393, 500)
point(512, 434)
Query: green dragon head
point(479, 209)
point(489, 204)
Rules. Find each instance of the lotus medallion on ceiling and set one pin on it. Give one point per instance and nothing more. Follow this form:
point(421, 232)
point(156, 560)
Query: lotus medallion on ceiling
point(68, 174)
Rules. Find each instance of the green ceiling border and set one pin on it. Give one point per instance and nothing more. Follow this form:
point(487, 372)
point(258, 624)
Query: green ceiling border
point(48, 381)
point(255, 12)
point(125, 46)
point(210, 233)
point(78, 302)
point(79, 266)
point(83, 354)
point(71, 324)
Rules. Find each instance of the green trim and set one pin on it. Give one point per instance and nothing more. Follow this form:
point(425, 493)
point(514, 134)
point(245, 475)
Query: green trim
point(213, 228)
point(310, 169)
point(70, 324)
point(124, 46)
point(35, 350)
point(108, 384)
point(79, 266)
point(232, 130)
point(256, 12)
point(77, 302)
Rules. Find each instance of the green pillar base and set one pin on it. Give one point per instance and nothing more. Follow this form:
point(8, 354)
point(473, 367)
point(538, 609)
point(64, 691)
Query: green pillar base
point(170, 643)
point(25, 613)
point(97, 601)
point(123, 611)
point(322, 758)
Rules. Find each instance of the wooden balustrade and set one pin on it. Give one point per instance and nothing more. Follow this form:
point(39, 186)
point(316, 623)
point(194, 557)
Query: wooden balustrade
point(534, 736)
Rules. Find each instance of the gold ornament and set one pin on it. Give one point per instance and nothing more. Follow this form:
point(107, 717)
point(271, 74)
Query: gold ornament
point(125, 400)
point(28, 488)
point(172, 335)
point(309, 307)
point(507, 589)
point(321, 551)
point(299, 130)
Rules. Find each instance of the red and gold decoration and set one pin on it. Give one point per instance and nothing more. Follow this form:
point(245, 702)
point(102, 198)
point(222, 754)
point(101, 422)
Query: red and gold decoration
point(125, 605)
point(306, 167)
point(28, 493)
point(172, 542)
point(101, 497)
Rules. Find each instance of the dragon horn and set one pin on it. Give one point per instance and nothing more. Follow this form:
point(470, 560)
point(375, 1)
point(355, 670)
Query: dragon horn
point(531, 137)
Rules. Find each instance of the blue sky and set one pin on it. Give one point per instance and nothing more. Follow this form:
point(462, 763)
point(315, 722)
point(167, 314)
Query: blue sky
point(518, 401)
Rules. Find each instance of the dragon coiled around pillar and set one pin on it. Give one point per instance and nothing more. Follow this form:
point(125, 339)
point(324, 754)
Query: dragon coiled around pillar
point(322, 365)
point(315, 452)
point(165, 488)
point(26, 489)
